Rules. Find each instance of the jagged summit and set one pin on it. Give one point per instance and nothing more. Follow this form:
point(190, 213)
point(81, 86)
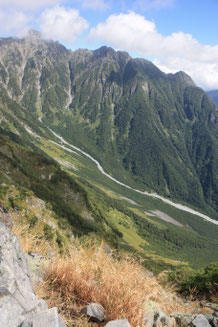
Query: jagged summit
point(33, 35)
point(125, 109)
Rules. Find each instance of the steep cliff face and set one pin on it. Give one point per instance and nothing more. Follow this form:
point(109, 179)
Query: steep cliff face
point(158, 130)
point(19, 305)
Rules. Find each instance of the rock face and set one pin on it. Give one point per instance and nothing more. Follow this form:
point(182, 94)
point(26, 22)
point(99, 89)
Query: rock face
point(19, 305)
point(6, 217)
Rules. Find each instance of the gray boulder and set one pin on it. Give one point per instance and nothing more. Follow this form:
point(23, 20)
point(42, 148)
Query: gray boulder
point(154, 316)
point(200, 321)
point(118, 323)
point(95, 312)
point(36, 263)
point(47, 318)
point(18, 302)
point(214, 322)
point(182, 319)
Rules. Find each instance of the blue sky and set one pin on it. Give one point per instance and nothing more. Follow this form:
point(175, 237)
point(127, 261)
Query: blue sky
point(174, 34)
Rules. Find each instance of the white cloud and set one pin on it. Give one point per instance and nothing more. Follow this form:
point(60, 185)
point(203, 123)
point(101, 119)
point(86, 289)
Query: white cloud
point(126, 32)
point(62, 24)
point(179, 51)
point(14, 23)
point(204, 74)
point(28, 4)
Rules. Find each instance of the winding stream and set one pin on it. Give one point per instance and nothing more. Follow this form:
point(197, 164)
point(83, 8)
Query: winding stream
point(154, 195)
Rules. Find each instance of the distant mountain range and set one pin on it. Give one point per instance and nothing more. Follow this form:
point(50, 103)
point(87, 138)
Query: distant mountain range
point(154, 130)
point(214, 96)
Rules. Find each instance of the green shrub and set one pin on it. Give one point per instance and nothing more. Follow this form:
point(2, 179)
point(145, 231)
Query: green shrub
point(203, 283)
point(33, 220)
point(48, 232)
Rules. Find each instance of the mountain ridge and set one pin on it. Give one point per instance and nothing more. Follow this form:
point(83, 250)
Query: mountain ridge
point(136, 120)
point(213, 94)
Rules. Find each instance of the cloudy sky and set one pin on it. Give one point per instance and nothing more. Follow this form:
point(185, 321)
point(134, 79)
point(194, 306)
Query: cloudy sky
point(174, 34)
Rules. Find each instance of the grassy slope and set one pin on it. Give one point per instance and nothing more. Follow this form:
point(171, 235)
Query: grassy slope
point(73, 201)
point(197, 240)
point(159, 121)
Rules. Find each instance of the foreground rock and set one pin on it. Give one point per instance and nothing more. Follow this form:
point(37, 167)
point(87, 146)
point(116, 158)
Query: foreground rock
point(6, 217)
point(156, 317)
point(200, 320)
point(36, 263)
point(19, 305)
point(118, 323)
point(95, 312)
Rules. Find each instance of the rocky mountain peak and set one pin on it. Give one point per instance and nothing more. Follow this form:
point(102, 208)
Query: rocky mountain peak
point(184, 78)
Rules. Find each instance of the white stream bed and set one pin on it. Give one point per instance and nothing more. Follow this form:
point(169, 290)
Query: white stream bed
point(154, 195)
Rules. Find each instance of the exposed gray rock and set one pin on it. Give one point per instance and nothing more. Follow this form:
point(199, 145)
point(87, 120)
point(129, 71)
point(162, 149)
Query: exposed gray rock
point(108, 250)
point(47, 318)
point(200, 321)
point(118, 323)
point(209, 317)
point(36, 264)
point(52, 224)
point(6, 217)
point(214, 322)
point(156, 317)
point(182, 319)
point(95, 312)
point(19, 305)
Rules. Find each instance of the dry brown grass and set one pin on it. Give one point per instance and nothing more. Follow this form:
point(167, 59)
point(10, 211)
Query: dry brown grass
point(30, 241)
point(87, 274)
point(123, 287)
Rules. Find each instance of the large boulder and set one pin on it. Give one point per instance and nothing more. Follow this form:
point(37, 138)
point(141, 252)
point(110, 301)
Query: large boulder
point(95, 312)
point(155, 317)
point(118, 323)
point(46, 318)
point(18, 300)
point(200, 321)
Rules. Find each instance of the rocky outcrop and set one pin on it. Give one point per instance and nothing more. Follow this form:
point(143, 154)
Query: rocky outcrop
point(156, 317)
point(36, 263)
point(6, 217)
point(19, 306)
point(199, 320)
point(95, 312)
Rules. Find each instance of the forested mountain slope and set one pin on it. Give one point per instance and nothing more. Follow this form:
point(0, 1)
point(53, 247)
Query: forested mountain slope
point(157, 130)
point(214, 96)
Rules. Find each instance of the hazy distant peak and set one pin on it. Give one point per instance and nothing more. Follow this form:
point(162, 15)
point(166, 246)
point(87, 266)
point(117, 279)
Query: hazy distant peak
point(33, 35)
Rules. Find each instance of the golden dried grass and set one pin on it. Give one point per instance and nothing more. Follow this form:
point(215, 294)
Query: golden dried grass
point(123, 286)
point(30, 241)
point(87, 274)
